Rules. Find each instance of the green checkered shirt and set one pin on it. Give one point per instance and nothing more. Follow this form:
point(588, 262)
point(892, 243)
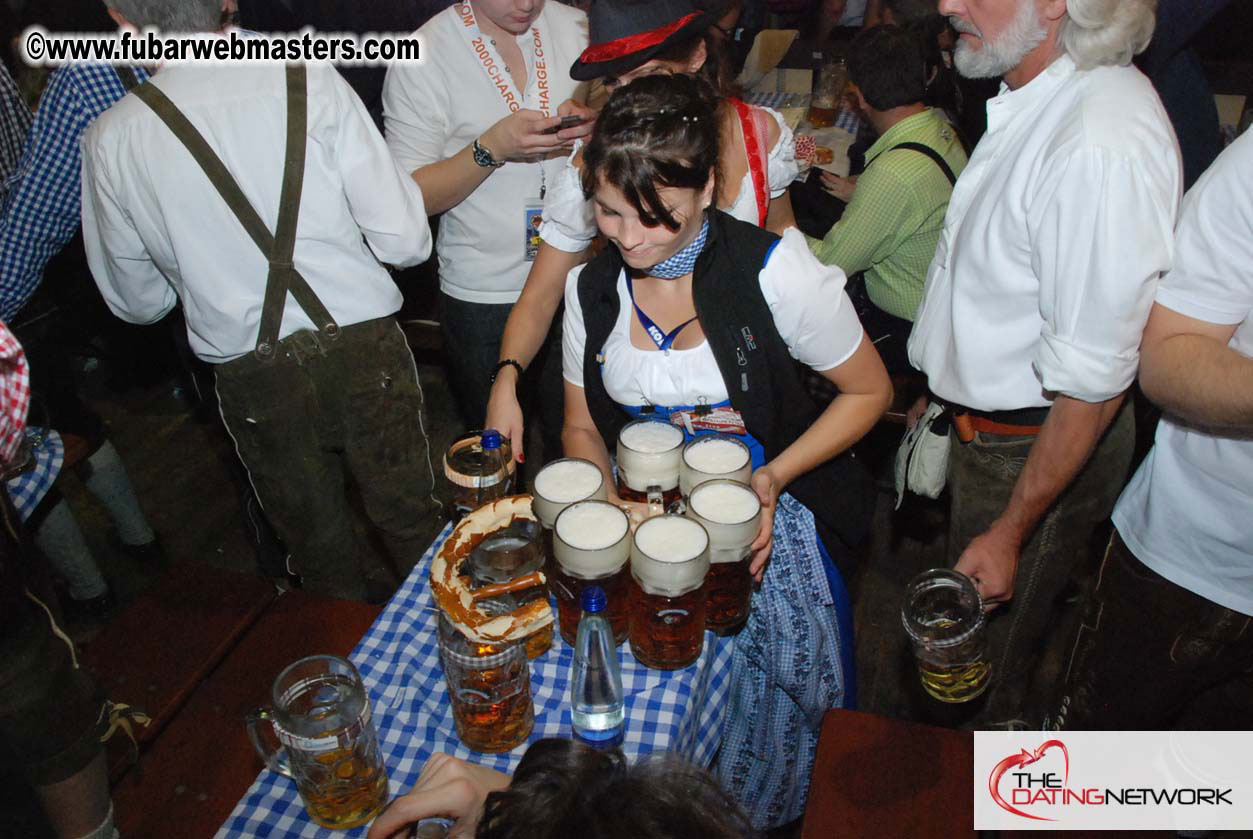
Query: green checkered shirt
point(892, 224)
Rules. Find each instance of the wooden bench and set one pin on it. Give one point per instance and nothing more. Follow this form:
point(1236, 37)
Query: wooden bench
point(877, 776)
point(158, 649)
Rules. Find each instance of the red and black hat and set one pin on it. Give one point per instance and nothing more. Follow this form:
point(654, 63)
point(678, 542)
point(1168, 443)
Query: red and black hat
point(626, 33)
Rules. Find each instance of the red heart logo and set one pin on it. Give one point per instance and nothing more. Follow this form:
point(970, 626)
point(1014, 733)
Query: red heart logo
point(1024, 758)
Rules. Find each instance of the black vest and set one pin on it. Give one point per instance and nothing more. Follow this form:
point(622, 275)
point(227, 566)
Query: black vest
point(760, 374)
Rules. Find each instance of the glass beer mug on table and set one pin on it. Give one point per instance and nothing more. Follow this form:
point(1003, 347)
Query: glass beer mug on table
point(730, 512)
point(669, 561)
point(713, 456)
point(592, 544)
point(830, 80)
point(557, 486)
point(943, 616)
point(479, 469)
point(489, 686)
point(327, 745)
point(649, 452)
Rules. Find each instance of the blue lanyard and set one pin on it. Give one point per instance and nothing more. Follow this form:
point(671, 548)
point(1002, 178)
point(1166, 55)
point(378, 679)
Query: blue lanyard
point(663, 340)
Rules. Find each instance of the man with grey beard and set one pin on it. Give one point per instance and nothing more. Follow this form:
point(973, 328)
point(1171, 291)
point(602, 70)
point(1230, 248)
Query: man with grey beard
point(1030, 322)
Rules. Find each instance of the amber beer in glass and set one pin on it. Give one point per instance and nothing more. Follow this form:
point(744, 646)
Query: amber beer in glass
point(489, 686)
point(943, 616)
point(649, 452)
point(321, 718)
point(731, 513)
point(557, 486)
point(712, 456)
point(669, 561)
point(592, 543)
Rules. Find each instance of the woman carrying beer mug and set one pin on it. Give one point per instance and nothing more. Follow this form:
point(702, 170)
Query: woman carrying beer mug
point(691, 307)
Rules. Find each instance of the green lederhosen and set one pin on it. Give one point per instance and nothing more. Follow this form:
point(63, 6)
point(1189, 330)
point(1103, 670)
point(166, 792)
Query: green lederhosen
point(302, 409)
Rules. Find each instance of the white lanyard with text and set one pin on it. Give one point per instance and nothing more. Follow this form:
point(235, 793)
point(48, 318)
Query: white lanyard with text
point(494, 66)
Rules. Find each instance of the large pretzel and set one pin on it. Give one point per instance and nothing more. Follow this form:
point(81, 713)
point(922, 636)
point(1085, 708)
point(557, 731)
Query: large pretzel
point(452, 590)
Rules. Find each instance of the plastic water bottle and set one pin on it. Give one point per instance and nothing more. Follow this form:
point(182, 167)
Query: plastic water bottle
point(596, 690)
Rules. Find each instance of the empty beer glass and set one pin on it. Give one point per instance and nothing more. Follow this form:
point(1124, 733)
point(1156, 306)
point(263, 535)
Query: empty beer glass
point(669, 561)
point(730, 512)
point(649, 452)
point(557, 486)
point(490, 689)
point(943, 616)
point(592, 542)
point(714, 456)
point(321, 718)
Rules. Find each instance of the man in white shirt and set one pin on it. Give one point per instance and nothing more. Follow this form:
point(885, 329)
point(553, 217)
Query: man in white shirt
point(476, 122)
point(1033, 307)
point(1172, 615)
point(313, 373)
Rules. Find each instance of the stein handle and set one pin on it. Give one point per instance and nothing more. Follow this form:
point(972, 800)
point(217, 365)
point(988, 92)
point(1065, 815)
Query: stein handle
point(276, 758)
point(656, 502)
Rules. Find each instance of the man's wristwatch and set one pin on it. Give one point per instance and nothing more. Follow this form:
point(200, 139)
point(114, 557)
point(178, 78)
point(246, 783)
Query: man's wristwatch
point(484, 158)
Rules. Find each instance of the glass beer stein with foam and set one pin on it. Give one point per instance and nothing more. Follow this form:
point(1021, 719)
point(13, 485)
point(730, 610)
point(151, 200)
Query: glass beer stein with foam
point(649, 452)
point(669, 561)
point(713, 456)
point(731, 513)
point(592, 544)
point(557, 486)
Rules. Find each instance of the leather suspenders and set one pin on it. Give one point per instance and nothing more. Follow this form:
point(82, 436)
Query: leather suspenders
point(279, 246)
point(127, 76)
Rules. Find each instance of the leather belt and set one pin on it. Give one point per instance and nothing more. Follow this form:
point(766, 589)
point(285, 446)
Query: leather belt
point(1024, 422)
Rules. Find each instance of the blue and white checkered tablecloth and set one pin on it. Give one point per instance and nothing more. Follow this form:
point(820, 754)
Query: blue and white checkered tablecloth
point(680, 710)
point(846, 118)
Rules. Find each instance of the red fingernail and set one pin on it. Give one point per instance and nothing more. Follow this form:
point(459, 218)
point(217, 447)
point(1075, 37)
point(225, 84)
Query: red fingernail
point(521, 457)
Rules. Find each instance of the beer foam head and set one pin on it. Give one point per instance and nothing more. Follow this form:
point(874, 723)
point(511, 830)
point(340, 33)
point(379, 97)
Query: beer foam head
point(670, 556)
point(650, 437)
point(671, 538)
point(591, 525)
point(725, 502)
point(568, 480)
point(715, 455)
point(649, 454)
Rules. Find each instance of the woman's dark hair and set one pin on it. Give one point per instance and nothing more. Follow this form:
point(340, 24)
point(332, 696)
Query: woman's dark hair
point(888, 66)
point(565, 789)
point(716, 71)
point(657, 131)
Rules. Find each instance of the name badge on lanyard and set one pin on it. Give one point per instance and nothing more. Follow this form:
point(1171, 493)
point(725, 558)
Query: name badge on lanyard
point(537, 81)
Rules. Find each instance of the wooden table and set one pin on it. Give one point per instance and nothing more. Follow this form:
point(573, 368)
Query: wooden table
point(193, 771)
point(876, 776)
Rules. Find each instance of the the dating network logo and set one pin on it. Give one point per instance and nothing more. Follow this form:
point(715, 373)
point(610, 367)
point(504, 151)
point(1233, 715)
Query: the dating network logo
point(1113, 780)
point(1040, 780)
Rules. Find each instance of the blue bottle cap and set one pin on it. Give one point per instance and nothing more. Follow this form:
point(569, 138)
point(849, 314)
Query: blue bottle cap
point(491, 440)
point(594, 599)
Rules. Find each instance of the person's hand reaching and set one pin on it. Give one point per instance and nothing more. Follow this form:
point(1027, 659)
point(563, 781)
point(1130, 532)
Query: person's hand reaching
point(841, 188)
point(448, 787)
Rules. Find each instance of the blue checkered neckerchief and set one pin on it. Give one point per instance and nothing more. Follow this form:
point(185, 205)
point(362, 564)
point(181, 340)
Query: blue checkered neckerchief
point(681, 264)
point(43, 207)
